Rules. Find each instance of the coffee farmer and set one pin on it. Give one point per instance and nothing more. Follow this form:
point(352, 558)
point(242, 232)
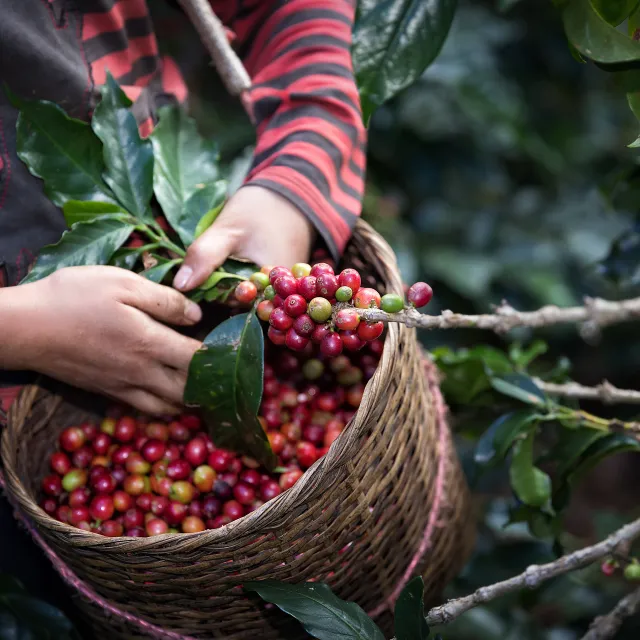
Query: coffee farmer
point(106, 329)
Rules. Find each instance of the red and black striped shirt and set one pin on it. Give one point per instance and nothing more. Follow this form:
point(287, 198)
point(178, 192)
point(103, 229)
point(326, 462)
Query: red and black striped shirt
point(310, 137)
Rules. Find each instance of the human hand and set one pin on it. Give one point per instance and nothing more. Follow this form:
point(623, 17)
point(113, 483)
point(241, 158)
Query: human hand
point(100, 329)
point(256, 224)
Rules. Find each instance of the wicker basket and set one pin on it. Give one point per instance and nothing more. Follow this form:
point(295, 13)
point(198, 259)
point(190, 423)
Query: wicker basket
point(387, 502)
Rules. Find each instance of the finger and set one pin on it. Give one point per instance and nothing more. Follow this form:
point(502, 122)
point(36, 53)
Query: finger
point(148, 403)
point(166, 383)
point(205, 255)
point(171, 348)
point(161, 302)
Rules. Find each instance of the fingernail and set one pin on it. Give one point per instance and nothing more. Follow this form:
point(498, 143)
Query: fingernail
point(182, 277)
point(193, 312)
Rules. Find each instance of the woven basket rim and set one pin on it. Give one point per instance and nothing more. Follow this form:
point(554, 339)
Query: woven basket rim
point(275, 513)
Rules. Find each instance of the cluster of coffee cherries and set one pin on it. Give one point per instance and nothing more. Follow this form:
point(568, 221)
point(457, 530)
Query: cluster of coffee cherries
point(312, 304)
point(132, 475)
point(631, 571)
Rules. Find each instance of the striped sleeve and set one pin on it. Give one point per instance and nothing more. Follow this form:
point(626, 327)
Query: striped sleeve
point(311, 140)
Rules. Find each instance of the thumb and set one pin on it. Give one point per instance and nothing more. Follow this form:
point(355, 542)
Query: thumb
point(205, 255)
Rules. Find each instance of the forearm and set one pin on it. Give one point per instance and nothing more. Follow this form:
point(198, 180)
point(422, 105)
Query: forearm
point(18, 316)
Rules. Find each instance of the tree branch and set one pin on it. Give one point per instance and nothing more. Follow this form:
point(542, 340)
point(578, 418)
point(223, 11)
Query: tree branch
point(534, 575)
point(604, 627)
point(213, 36)
point(595, 313)
point(605, 392)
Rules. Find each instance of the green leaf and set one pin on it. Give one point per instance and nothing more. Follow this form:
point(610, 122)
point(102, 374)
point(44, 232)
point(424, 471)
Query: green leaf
point(62, 151)
point(86, 243)
point(159, 272)
point(198, 206)
point(524, 357)
point(529, 483)
point(394, 41)
point(80, 211)
point(615, 12)
point(596, 39)
point(496, 441)
point(184, 163)
point(128, 158)
point(225, 381)
point(207, 220)
point(127, 257)
point(321, 612)
point(519, 386)
point(571, 447)
point(408, 618)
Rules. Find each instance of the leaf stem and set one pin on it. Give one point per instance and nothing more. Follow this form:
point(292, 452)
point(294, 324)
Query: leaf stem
point(162, 241)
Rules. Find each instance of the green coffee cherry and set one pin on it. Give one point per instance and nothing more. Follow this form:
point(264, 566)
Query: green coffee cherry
point(392, 303)
point(269, 292)
point(320, 309)
point(344, 294)
point(632, 571)
point(261, 280)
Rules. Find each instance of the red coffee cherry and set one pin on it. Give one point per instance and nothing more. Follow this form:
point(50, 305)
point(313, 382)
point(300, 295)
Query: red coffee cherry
point(347, 319)
point(327, 285)
point(277, 272)
point(307, 287)
point(295, 305)
point(246, 292)
point(321, 268)
point(367, 298)
point(331, 345)
point(285, 286)
point(350, 278)
point(369, 332)
point(295, 341)
point(419, 294)
point(280, 320)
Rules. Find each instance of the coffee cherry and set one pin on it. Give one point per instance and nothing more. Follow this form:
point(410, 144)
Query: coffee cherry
point(326, 285)
point(156, 527)
point(218, 521)
point(104, 484)
point(159, 505)
point(269, 490)
point(294, 341)
point(178, 469)
point(192, 524)
point(301, 269)
point(195, 452)
point(312, 369)
point(222, 489)
point(320, 309)
point(295, 305)
point(158, 431)
point(313, 433)
point(137, 464)
point(52, 485)
point(162, 486)
point(178, 432)
point(60, 463)
point(278, 272)
point(121, 454)
point(63, 513)
point(122, 501)
point(78, 515)
point(72, 438)
point(244, 493)
point(331, 345)
point(90, 431)
point(344, 294)
point(277, 441)
point(289, 478)
point(303, 325)
point(82, 457)
point(632, 572)
point(49, 505)
point(367, 299)
point(321, 268)
point(285, 286)
point(354, 395)
point(306, 454)
point(351, 341)
point(264, 309)
point(369, 332)
point(219, 460)
point(347, 319)
point(102, 508)
point(108, 426)
point(176, 512)
point(261, 280)
point(233, 510)
point(182, 492)
point(153, 450)
point(79, 497)
point(204, 477)
point(246, 292)
point(280, 320)
point(291, 431)
point(125, 429)
point(350, 278)
point(211, 507)
point(391, 303)
point(136, 484)
point(101, 444)
point(307, 287)
point(419, 294)
point(135, 532)
point(111, 529)
point(191, 421)
point(269, 293)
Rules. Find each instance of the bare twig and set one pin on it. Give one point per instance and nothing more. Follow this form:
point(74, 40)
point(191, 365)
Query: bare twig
point(604, 627)
point(214, 38)
point(534, 575)
point(605, 392)
point(595, 313)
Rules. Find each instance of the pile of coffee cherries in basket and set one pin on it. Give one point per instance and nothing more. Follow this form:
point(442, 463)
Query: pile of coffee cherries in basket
point(311, 304)
point(133, 475)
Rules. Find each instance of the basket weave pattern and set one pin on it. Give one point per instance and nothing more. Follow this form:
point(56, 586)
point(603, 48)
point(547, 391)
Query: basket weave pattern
point(355, 520)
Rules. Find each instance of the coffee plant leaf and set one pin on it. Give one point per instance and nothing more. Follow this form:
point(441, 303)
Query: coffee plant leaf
point(519, 386)
point(83, 211)
point(615, 12)
point(495, 442)
point(127, 257)
point(198, 207)
point(225, 383)
point(184, 162)
point(530, 484)
point(62, 151)
point(160, 271)
point(594, 38)
point(322, 614)
point(128, 158)
point(408, 617)
point(87, 243)
point(207, 220)
point(523, 357)
point(394, 41)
